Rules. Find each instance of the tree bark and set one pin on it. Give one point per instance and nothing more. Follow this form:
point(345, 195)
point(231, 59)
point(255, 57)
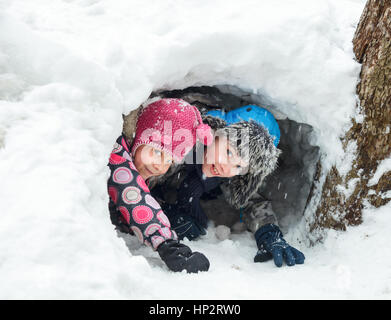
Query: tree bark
point(372, 48)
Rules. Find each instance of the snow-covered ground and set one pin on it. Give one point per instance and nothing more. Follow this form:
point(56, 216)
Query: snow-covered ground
point(69, 69)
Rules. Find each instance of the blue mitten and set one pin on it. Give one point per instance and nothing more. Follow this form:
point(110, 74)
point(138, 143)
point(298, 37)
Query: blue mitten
point(271, 244)
point(186, 226)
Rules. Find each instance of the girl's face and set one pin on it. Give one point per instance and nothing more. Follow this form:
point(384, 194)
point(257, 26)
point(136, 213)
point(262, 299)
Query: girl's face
point(151, 162)
point(222, 160)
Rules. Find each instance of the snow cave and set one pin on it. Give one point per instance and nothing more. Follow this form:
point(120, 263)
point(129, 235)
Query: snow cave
point(71, 69)
point(289, 187)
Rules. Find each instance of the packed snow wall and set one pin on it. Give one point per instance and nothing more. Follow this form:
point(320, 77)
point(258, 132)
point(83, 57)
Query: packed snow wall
point(70, 69)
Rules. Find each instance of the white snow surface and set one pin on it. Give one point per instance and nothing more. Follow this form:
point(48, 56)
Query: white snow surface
point(69, 69)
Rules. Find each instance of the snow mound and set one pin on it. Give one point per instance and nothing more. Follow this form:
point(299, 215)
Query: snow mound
point(69, 69)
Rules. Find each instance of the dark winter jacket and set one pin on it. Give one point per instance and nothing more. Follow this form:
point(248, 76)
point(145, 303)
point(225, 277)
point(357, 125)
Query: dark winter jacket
point(192, 188)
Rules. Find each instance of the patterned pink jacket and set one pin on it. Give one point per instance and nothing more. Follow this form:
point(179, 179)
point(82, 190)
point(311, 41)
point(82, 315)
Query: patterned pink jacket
point(132, 207)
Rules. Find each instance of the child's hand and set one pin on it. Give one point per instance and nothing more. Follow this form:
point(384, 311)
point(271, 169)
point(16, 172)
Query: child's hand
point(179, 257)
point(271, 244)
point(186, 226)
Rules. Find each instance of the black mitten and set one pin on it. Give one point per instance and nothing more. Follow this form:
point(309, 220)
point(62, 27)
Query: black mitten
point(179, 257)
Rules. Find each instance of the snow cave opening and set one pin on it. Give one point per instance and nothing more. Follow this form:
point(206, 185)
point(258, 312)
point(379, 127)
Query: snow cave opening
point(290, 187)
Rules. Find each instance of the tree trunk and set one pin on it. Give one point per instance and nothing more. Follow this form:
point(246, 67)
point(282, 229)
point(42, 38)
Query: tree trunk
point(372, 48)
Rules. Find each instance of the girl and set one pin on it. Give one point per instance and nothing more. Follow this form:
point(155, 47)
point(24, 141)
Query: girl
point(147, 152)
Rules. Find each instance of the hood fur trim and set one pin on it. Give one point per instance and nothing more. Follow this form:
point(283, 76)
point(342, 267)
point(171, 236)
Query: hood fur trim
point(130, 124)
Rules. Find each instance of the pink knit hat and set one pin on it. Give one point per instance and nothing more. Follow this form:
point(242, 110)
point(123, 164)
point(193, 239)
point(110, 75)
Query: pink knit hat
point(171, 125)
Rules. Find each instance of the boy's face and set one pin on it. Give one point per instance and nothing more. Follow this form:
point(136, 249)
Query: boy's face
point(222, 160)
point(151, 162)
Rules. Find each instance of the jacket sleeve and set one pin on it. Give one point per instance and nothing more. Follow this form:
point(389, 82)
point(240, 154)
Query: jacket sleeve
point(188, 198)
point(257, 213)
point(131, 197)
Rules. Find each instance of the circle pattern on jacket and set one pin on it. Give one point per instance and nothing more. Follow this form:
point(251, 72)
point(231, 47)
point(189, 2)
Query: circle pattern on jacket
point(138, 233)
point(152, 202)
point(116, 148)
point(116, 159)
point(122, 175)
point(151, 229)
point(123, 143)
point(165, 232)
point(132, 166)
point(163, 219)
point(142, 214)
point(127, 156)
point(131, 195)
point(157, 240)
point(174, 235)
point(125, 214)
point(113, 194)
point(142, 184)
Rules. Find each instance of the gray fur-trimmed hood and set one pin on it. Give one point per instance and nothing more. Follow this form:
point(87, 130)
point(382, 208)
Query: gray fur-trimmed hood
point(263, 156)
